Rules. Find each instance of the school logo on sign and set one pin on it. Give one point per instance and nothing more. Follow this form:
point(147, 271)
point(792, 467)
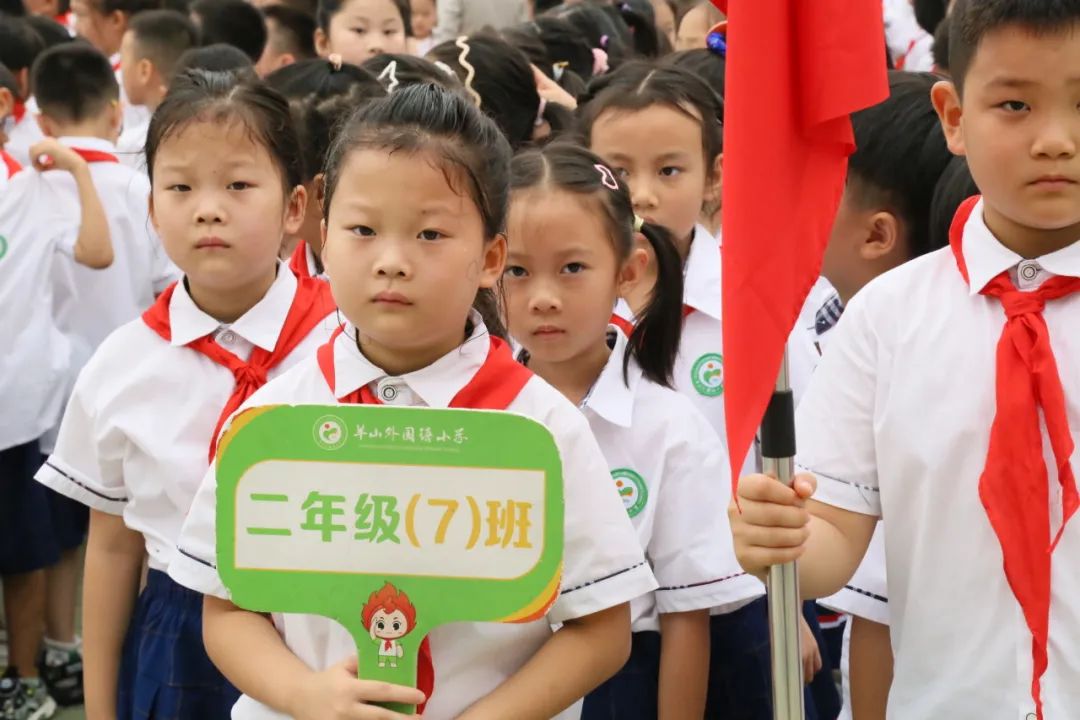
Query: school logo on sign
point(632, 490)
point(330, 432)
point(708, 375)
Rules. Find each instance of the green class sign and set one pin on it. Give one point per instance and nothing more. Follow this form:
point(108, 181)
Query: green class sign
point(391, 521)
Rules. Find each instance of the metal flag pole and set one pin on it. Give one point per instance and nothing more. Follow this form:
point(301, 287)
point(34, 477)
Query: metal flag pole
point(778, 461)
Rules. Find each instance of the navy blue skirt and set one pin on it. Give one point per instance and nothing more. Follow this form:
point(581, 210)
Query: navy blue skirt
point(165, 673)
point(633, 693)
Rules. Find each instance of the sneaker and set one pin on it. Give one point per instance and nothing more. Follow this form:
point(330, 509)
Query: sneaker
point(24, 699)
point(62, 671)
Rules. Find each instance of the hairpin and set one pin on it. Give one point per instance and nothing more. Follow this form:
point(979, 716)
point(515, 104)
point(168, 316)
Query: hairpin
point(599, 62)
point(389, 74)
point(540, 112)
point(607, 178)
point(446, 68)
point(470, 72)
point(335, 61)
point(639, 222)
point(604, 41)
point(716, 40)
point(558, 69)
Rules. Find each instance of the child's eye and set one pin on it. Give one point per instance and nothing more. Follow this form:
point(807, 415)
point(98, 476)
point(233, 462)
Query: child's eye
point(515, 271)
point(573, 268)
point(179, 188)
point(239, 185)
point(430, 235)
point(623, 173)
point(1014, 106)
point(670, 171)
point(362, 230)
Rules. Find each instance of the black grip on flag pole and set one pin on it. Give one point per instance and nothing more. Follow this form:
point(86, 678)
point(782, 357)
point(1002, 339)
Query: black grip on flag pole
point(778, 426)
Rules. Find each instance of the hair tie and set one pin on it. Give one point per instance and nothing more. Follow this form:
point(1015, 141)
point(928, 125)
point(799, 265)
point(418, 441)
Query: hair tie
point(389, 74)
point(639, 222)
point(335, 61)
point(604, 41)
point(470, 72)
point(599, 62)
point(716, 40)
point(558, 70)
point(607, 178)
point(540, 112)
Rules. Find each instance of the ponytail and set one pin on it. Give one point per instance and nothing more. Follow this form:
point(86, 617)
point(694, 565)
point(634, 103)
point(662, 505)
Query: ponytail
point(654, 342)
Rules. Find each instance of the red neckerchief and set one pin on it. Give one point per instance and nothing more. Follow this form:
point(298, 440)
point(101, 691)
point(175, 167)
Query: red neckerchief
point(494, 386)
point(10, 164)
point(628, 327)
point(310, 305)
point(298, 262)
point(1014, 486)
point(95, 156)
point(18, 111)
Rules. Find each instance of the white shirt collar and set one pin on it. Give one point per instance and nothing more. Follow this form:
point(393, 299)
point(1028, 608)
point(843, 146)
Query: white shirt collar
point(612, 397)
point(987, 258)
point(87, 143)
point(261, 325)
point(436, 384)
point(701, 289)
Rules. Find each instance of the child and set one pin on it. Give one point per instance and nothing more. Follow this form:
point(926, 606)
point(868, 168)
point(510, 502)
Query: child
point(150, 50)
point(423, 25)
point(572, 252)
point(9, 90)
point(231, 22)
point(322, 95)
point(217, 58)
point(405, 268)
point(499, 79)
point(224, 167)
point(290, 38)
point(396, 71)
point(968, 538)
point(360, 29)
point(103, 23)
point(33, 382)
point(19, 47)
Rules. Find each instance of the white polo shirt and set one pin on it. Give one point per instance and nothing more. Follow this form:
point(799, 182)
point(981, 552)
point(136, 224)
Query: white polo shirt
point(135, 434)
point(131, 147)
point(897, 424)
point(36, 356)
point(25, 133)
point(90, 303)
point(603, 564)
point(671, 471)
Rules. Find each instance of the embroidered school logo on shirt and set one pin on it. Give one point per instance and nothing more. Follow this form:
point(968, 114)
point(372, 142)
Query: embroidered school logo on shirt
point(330, 432)
point(708, 375)
point(3, 247)
point(632, 490)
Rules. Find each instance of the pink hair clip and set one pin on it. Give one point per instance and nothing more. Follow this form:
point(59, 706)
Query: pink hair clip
point(607, 178)
point(599, 62)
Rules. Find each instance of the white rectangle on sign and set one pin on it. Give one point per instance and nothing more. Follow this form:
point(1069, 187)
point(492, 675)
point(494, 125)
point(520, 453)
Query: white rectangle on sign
point(390, 519)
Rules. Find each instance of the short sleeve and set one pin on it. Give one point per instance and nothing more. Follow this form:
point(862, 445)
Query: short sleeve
point(834, 423)
point(65, 237)
point(690, 548)
point(603, 563)
point(867, 594)
point(195, 565)
point(87, 462)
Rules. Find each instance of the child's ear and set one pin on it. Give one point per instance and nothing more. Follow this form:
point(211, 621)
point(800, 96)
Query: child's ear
point(294, 210)
point(322, 43)
point(946, 100)
point(716, 181)
point(633, 270)
point(7, 102)
point(151, 213)
point(494, 261)
point(882, 238)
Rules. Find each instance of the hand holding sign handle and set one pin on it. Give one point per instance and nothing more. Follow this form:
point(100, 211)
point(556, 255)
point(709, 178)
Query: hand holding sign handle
point(391, 521)
point(337, 693)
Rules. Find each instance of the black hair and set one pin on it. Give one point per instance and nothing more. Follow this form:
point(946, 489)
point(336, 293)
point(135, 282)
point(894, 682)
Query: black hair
point(603, 29)
point(216, 58)
point(940, 51)
point(162, 37)
point(308, 7)
point(707, 65)
point(502, 84)
point(654, 341)
point(640, 18)
point(51, 32)
point(296, 31)
point(953, 187)
point(222, 97)
point(900, 154)
point(19, 44)
point(639, 84)
point(322, 97)
point(7, 81)
point(971, 20)
point(73, 82)
point(930, 13)
point(12, 9)
point(233, 22)
point(467, 144)
point(128, 7)
point(410, 70)
point(568, 56)
point(329, 8)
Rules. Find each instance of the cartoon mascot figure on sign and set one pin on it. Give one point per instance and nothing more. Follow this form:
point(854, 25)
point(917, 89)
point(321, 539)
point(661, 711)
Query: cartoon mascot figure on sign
point(389, 616)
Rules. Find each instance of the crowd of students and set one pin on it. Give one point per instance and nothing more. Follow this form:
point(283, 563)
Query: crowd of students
point(212, 205)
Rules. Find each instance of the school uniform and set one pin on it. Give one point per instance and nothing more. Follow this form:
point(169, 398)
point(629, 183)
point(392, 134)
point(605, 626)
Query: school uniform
point(8, 167)
point(909, 45)
point(603, 564)
point(671, 472)
point(304, 263)
point(135, 442)
point(90, 303)
point(897, 424)
point(131, 146)
point(26, 132)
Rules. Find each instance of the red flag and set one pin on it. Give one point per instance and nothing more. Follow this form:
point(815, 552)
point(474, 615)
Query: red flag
point(795, 72)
